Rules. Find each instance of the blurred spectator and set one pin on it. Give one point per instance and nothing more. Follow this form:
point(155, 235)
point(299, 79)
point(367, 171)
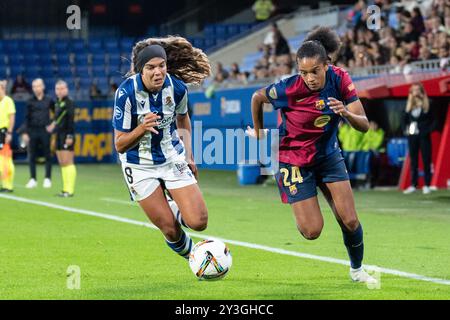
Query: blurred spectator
point(372, 141)
point(425, 54)
point(409, 33)
point(234, 72)
point(94, 92)
point(395, 66)
point(280, 44)
point(261, 70)
point(444, 56)
point(221, 74)
point(351, 139)
point(418, 124)
point(20, 86)
point(283, 70)
point(417, 20)
point(355, 16)
point(112, 90)
point(351, 142)
point(263, 10)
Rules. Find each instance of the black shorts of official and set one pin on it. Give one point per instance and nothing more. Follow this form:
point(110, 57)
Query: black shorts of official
point(61, 143)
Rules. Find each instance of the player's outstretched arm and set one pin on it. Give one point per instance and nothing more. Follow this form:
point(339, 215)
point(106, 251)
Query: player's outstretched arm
point(125, 140)
point(353, 113)
point(258, 100)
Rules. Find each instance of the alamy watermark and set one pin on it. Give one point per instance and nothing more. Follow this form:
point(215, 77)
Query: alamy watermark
point(73, 281)
point(213, 146)
point(375, 273)
point(374, 17)
point(73, 22)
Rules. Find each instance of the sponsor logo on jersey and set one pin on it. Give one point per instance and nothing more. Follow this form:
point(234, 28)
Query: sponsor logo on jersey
point(273, 93)
point(322, 121)
point(299, 100)
point(118, 114)
point(320, 104)
point(165, 122)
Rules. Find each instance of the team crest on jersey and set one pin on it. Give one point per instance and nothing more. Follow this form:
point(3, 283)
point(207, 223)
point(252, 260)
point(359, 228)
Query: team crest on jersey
point(320, 104)
point(133, 191)
point(293, 190)
point(180, 168)
point(273, 93)
point(168, 100)
point(322, 121)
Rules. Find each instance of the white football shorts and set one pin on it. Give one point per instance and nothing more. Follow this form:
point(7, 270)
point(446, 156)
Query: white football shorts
point(142, 180)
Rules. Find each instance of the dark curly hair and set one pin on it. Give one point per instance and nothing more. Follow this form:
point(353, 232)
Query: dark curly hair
point(320, 43)
point(327, 37)
point(188, 63)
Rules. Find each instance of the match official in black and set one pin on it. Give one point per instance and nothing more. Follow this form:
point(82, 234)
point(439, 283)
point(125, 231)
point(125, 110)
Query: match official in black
point(64, 127)
point(37, 118)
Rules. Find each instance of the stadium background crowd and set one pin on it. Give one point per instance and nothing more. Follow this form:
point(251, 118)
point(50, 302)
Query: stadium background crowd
point(408, 32)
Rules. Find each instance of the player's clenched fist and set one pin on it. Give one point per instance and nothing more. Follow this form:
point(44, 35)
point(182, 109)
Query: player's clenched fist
point(151, 120)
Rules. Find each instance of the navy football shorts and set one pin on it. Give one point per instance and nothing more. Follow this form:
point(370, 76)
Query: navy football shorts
point(297, 184)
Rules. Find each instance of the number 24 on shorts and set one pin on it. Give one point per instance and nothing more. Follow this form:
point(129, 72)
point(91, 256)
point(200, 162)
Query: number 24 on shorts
point(295, 176)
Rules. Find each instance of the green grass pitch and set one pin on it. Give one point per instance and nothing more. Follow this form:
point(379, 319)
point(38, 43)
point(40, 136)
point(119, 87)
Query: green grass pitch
point(125, 261)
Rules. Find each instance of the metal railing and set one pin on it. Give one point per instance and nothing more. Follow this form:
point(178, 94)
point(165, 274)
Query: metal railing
point(417, 66)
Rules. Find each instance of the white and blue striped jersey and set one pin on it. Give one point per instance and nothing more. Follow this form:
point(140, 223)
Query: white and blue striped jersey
point(132, 102)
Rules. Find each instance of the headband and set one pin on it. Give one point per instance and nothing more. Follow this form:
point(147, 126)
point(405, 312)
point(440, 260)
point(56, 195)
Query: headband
point(148, 53)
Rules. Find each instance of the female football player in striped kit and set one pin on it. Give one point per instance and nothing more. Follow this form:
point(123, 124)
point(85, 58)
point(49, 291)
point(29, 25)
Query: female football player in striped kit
point(312, 104)
point(152, 136)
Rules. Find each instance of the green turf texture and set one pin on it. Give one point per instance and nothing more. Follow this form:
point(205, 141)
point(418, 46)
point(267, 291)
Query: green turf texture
point(122, 261)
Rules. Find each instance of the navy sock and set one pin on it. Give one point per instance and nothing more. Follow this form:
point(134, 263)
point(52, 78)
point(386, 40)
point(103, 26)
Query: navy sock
point(183, 246)
point(355, 246)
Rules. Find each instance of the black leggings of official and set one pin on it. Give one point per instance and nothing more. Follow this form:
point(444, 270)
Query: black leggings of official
point(422, 143)
point(40, 140)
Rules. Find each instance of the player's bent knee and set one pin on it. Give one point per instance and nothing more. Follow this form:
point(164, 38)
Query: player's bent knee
point(310, 234)
point(351, 224)
point(200, 222)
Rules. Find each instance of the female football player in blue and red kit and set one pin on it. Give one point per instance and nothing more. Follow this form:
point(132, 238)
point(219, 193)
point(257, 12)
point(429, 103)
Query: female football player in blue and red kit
point(312, 104)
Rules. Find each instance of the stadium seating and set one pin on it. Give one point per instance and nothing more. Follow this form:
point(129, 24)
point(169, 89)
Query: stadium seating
point(216, 34)
point(96, 59)
point(358, 164)
point(397, 149)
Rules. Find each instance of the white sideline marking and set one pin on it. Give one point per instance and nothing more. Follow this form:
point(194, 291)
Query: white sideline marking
point(128, 203)
point(237, 243)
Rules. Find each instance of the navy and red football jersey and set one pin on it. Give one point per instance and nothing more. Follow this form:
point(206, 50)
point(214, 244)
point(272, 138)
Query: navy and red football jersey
point(308, 131)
